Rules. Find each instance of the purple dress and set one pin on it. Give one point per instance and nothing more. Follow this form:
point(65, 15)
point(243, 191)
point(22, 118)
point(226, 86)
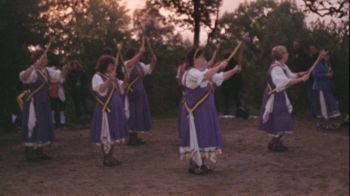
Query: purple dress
point(327, 105)
point(117, 123)
point(205, 121)
point(279, 120)
point(140, 115)
point(42, 133)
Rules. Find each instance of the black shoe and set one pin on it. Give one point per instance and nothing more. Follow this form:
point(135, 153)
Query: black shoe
point(115, 161)
point(206, 169)
point(133, 143)
point(282, 146)
point(196, 171)
point(136, 142)
point(276, 148)
point(140, 142)
point(111, 162)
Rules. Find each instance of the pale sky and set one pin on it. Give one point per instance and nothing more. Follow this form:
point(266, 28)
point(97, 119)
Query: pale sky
point(228, 6)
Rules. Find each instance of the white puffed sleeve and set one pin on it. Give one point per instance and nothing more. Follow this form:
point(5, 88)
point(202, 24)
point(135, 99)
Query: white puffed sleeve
point(120, 83)
point(218, 78)
point(193, 78)
point(279, 78)
point(147, 69)
point(289, 73)
point(178, 73)
point(97, 81)
point(32, 78)
point(55, 75)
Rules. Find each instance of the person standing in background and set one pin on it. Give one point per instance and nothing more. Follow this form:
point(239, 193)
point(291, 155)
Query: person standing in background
point(77, 85)
point(312, 57)
point(298, 62)
point(231, 90)
point(327, 105)
point(58, 102)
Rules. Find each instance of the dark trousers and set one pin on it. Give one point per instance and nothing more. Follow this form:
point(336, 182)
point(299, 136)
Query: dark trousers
point(80, 104)
point(57, 106)
point(230, 95)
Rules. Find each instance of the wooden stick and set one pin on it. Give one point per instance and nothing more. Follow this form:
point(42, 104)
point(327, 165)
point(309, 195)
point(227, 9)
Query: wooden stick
point(234, 52)
point(48, 46)
point(316, 63)
point(150, 46)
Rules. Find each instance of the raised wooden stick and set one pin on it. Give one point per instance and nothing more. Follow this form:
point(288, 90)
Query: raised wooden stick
point(150, 46)
point(240, 44)
point(323, 52)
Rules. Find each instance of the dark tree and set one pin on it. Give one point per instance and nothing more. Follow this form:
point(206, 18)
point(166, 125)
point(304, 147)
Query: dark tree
point(192, 13)
point(339, 8)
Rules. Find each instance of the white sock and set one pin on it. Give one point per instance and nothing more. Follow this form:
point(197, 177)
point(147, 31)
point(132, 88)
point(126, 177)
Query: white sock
point(53, 117)
point(62, 118)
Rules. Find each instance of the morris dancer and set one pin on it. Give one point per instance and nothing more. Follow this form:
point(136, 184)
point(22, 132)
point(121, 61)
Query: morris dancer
point(275, 117)
point(140, 116)
point(200, 134)
point(37, 127)
point(109, 124)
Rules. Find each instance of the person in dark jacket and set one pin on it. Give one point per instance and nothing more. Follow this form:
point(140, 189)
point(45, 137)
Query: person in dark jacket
point(77, 82)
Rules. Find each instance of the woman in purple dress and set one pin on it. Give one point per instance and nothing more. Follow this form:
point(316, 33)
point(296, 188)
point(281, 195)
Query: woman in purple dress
point(37, 127)
point(139, 111)
point(109, 124)
point(327, 106)
point(275, 117)
point(199, 129)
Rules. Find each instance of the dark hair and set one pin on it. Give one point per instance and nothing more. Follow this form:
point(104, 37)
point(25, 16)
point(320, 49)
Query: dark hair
point(53, 59)
point(130, 53)
point(77, 64)
point(193, 54)
point(103, 62)
point(107, 51)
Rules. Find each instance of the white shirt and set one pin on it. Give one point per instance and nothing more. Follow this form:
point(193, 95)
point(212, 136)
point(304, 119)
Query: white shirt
point(147, 69)
point(281, 76)
point(194, 78)
point(97, 81)
point(55, 76)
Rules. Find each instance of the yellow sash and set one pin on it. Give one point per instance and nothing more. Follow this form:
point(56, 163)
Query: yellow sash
point(198, 103)
point(271, 90)
point(104, 105)
point(132, 83)
point(32, 94)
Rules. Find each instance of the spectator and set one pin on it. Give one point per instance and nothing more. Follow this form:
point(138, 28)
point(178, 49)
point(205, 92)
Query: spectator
point(77, 83)
point(298, 62)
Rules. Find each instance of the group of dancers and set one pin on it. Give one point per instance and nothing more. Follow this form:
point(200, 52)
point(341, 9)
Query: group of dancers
point(122, 110)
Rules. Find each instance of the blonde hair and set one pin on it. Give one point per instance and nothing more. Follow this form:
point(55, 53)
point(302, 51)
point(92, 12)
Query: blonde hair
point(278, 52)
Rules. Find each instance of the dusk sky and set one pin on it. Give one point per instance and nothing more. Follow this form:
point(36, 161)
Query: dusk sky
point(228, 6)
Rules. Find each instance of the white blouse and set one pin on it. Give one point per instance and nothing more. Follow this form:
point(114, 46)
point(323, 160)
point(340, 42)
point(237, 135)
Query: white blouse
point(194, 78)
point(281, 76)
point(147, 69)
point(97, 81)
point(55, 76)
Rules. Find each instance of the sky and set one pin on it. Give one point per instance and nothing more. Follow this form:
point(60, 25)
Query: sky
point(228, 6)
